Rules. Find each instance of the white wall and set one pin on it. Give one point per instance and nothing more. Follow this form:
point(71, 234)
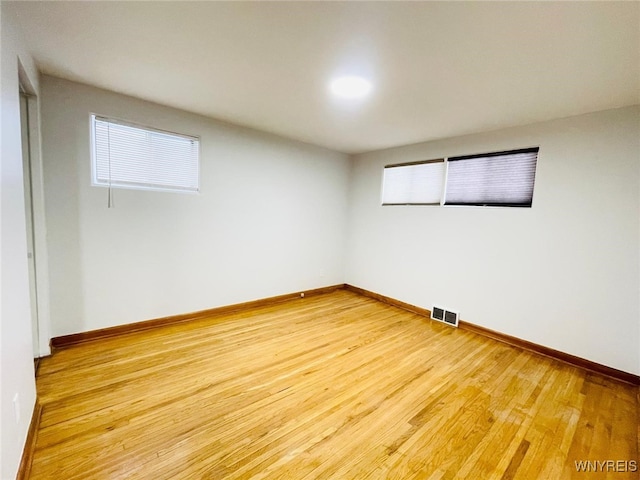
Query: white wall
point(16, 352)
point(564, 273)
point(270, 218)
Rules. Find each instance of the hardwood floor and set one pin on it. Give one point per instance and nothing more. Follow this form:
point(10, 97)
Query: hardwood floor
point(334, 386)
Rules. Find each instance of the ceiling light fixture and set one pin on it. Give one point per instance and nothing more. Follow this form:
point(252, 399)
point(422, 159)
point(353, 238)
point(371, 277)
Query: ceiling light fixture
point(351, 87)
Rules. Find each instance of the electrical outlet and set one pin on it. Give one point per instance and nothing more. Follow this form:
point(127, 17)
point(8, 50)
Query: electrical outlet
point(16, 407)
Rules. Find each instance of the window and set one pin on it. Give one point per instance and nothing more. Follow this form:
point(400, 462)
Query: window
point(492, 179)
point(130, 156)
point(417, 183)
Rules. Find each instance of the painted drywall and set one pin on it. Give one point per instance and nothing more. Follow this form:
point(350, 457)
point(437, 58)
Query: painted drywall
point(16, 352)
point(270, 218)
point(564, 273)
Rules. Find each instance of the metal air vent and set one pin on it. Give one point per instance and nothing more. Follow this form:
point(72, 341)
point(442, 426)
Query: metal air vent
point(451, 318)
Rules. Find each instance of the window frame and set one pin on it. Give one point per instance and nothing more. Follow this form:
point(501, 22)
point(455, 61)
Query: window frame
point(95, 182)
point(488, 155)
point(446, 160)
point(411, 164)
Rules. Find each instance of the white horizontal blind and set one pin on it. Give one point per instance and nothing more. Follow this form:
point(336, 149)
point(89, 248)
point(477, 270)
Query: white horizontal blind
point(131, 156)
point(417, 184)
point(504, 178)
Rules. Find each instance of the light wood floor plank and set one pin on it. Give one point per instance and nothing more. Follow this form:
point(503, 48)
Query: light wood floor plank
point(336, 386)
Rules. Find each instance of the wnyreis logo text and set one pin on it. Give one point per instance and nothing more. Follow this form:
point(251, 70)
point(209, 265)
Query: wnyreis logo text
point(606, 465)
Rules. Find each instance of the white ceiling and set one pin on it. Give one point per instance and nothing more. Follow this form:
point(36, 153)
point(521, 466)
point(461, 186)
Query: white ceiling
point(438, 69)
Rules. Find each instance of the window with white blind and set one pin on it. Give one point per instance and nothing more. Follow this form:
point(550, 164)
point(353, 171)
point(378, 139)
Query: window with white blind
point(503, 179)
point(126, 155)
point(493, 179)
point(418, 183)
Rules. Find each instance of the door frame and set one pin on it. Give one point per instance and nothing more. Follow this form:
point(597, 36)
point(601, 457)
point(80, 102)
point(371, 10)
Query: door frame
point(38, 214)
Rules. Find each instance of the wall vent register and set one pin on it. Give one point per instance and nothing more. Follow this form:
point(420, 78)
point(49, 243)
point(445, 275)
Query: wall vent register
point(444, 316)
point(437, 313)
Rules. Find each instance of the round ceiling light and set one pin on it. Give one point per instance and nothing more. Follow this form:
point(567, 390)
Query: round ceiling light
point(351, 87)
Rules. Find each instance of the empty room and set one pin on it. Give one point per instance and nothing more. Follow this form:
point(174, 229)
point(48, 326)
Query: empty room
point(320, 240)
